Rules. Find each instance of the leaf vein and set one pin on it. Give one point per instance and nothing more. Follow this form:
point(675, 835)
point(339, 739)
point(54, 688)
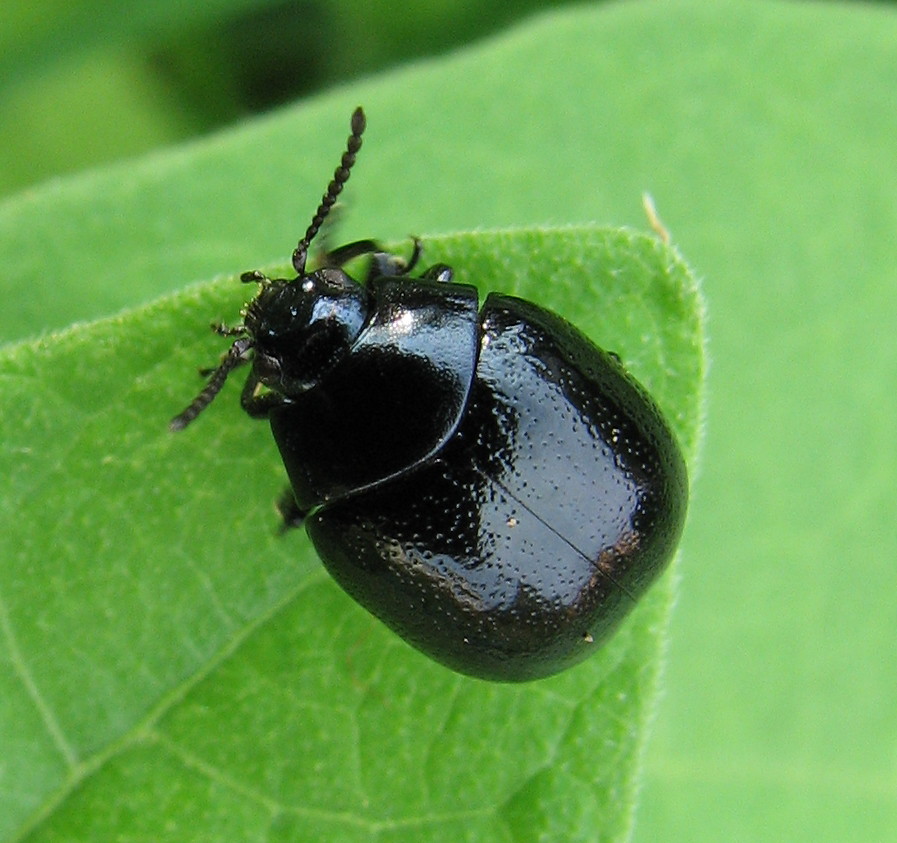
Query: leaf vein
point(51, 723)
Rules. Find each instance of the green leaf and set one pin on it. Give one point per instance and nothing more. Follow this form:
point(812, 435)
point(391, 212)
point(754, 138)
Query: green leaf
point(765, 131)
point(174, 669)
point(779, 719)
point(173, 663)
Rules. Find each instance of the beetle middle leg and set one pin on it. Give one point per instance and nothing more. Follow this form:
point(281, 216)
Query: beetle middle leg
point(383, 264)
point(341, 255)
point(291, 515)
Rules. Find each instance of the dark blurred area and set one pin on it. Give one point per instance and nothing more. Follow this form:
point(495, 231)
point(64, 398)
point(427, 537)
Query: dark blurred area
point(93, 81)
point(267, 56)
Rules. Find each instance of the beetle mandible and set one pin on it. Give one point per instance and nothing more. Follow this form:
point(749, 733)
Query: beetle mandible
point(484, 479)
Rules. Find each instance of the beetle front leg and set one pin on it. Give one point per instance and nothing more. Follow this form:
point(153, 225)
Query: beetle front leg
point(258, 406)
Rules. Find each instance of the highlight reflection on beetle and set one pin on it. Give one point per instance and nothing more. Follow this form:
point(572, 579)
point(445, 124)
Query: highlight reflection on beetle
point(510, 490)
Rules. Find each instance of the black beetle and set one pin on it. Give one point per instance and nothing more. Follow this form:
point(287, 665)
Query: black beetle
point(485, 480)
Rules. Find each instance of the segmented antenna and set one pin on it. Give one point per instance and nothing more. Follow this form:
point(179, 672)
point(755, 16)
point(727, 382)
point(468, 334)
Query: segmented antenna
point(340, 177)
point(236, 353)
point(232, 359)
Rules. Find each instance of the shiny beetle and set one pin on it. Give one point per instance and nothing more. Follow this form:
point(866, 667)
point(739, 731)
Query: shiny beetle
point(485, 480)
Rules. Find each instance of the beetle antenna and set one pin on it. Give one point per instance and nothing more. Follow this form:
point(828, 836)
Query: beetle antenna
point(340, 177)
point(232, 359)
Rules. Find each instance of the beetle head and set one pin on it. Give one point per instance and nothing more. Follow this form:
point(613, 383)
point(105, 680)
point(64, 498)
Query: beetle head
point(300, 329)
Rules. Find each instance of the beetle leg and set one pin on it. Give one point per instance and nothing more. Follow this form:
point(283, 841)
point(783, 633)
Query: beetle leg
point(289, 511)
point(386, 265)
point(343, 254)
point(258, 406)
point(417, 249)
point(383, 263)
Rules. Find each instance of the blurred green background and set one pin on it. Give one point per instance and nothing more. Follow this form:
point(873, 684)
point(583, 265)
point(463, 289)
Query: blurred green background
point(766, 132)
point(88, 82)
